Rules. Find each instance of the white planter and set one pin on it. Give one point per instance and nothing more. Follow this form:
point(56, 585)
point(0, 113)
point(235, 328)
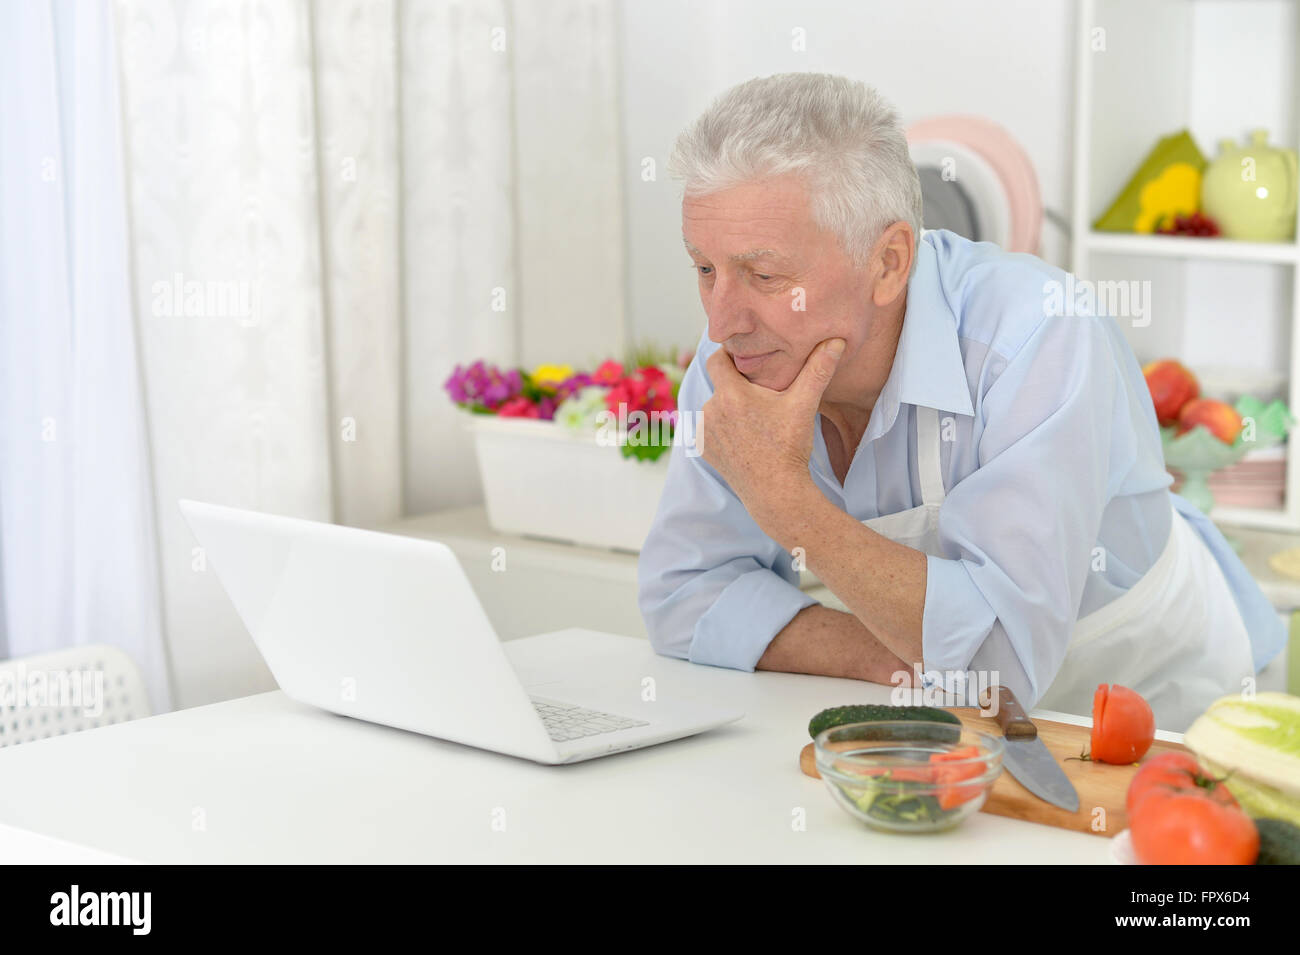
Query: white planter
point(543, 480)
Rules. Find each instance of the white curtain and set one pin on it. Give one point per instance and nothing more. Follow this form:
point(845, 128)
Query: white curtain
point(324, 215)
point(77, 540)
point(356, 164)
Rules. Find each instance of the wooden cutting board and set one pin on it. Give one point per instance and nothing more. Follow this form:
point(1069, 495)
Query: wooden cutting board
point(1101, 787)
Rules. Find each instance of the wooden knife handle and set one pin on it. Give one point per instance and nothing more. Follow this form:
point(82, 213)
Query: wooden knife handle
point(1010, 715)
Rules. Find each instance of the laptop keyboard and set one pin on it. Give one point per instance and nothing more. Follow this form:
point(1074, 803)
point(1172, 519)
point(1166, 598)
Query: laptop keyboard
point(564, 721)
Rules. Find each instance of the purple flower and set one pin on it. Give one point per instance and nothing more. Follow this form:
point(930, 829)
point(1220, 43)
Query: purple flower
point(482, 384)
point(570, 385)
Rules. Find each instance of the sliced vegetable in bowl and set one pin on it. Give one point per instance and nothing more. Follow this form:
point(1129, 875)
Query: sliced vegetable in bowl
point(968, 765)
point(908, 775)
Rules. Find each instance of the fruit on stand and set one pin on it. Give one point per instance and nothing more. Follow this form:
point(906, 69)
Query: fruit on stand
point(1200, 436)
point(1171, 385)
point(1219, 418)
point(1123, 725)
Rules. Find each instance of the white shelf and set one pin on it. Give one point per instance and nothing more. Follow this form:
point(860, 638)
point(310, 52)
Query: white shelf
point(1192, 247)
point(1257, 517)
point(1219, 69)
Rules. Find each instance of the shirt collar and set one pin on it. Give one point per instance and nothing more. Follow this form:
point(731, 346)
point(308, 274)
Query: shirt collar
point(928, 368)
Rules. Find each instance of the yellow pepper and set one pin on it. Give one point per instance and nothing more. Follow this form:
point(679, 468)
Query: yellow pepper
point(1176, 191)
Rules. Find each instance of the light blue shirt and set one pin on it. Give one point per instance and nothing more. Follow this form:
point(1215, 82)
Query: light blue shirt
point(1054, 452)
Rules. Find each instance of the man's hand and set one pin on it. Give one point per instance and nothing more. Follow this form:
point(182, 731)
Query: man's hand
point(758, 439)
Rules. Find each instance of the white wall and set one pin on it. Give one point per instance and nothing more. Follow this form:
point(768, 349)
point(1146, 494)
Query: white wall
point(1008, 60)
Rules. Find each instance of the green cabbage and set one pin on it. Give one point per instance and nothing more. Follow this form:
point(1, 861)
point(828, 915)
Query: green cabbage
point(1255, 742)
point(1259, 801)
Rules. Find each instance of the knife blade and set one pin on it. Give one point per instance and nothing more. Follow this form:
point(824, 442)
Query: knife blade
point(1027, 756)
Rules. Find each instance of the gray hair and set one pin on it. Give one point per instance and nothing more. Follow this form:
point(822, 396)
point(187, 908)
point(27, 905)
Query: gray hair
point(840, 135)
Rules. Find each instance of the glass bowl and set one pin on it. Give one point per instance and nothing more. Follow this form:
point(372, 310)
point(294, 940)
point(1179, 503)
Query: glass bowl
point(908, 775)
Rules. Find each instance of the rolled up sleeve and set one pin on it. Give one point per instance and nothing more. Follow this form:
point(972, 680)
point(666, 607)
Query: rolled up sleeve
point(711, 586)
point(1018, 534)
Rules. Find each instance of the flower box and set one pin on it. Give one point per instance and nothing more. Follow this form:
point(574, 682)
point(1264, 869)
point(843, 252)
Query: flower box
point(543, 480)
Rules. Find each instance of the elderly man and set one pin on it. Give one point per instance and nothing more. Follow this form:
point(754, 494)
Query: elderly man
point(977, 477)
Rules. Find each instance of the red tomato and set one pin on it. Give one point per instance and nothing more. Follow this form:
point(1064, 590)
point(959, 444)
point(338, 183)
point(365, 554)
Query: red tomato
point(951, 796)
point(1123, 726)
point(965, 752)
point(1178, 771)
point(1187, 827)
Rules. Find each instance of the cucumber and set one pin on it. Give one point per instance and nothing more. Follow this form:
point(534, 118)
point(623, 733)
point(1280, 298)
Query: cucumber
point(1279, 842)
point(875, 713)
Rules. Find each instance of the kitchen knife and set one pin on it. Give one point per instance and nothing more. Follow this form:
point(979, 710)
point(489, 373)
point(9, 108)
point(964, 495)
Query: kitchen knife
point(1026, 755)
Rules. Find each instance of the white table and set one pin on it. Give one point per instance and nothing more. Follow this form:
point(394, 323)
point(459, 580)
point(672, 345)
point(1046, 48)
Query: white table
point(265, 779)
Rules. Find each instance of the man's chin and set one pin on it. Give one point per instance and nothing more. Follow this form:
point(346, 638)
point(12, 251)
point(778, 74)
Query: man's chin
point(773, 379)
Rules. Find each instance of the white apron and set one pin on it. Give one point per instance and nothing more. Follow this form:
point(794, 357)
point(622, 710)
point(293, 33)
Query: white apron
point(1176, 636)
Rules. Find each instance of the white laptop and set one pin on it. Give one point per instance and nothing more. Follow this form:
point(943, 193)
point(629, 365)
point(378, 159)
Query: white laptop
point(387, 628)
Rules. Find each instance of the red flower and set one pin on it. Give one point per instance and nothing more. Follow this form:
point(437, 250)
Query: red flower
point(518, 407)
point(648, 390)
point(608, 373)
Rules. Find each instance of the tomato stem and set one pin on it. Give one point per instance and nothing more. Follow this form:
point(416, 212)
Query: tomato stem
point(1206, 781)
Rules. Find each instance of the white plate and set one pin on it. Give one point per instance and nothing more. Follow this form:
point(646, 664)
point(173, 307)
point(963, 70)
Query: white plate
point(985, 190)
point(1121, 850)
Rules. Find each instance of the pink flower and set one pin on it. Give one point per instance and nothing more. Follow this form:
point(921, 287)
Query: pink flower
point(608, 373)
point(648, 390)
point(518, 407)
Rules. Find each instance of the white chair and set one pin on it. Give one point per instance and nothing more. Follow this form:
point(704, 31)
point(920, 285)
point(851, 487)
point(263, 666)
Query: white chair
point(49, 694)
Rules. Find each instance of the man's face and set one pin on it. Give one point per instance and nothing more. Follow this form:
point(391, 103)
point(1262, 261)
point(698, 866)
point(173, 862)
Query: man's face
point(773, 284)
